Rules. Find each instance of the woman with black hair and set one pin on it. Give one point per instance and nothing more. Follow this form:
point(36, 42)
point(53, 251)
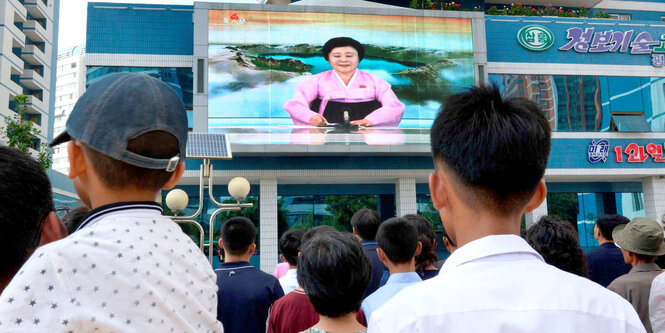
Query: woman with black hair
point(557, 241)
point(325, 97)
point(427, 258)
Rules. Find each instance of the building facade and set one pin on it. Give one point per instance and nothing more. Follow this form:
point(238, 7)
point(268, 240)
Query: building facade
point(69, 85)
point(603, 100)
point(29, 30)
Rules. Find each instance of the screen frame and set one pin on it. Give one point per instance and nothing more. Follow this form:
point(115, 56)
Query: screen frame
point(201, 44)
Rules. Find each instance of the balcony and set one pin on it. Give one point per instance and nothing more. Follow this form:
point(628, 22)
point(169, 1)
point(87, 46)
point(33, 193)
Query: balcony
point(35, 31)
point(38, 9)
point(16, 64)
point(33, 80)
point(34, 55)
point(35, 105)
point(14, 88)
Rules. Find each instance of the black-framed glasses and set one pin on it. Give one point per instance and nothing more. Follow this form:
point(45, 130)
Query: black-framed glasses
point(58, 210)
point(38, 235)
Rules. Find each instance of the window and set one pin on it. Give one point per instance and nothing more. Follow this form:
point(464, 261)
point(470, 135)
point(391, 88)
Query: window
point(662, 18)
point(73, 65)
point(629, 122)
point(200, 76)
point(621, 17)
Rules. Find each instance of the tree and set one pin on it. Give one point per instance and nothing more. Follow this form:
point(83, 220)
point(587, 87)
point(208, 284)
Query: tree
point(342, 207)
point(22, 133)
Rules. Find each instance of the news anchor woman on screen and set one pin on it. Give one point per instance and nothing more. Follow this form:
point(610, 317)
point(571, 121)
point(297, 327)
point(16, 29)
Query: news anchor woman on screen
point(323, 98)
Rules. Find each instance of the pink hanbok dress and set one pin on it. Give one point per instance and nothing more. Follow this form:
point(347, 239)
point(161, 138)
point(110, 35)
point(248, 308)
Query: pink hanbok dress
point(326, 89)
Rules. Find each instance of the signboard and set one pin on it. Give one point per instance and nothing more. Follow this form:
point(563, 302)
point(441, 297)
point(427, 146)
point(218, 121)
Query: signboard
point(588, 40)
point(574, 41)
point(599, 151)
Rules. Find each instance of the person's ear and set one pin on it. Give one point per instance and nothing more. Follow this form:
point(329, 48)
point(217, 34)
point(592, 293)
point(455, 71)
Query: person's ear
point(77, 165)
point(175, 177)
point(252, 248)
point(449, 246)
point(282, 258)
point(220, 243)
point(52, 230)
point(438, 191)
point(537, 198)
point(382, 255)
point(419, 248)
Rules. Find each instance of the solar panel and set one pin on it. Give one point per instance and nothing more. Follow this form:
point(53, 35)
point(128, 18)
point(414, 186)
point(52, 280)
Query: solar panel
point(208, 145)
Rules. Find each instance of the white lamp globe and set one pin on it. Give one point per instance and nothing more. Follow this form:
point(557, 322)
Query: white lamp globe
point(177, 200)
point(238, 187)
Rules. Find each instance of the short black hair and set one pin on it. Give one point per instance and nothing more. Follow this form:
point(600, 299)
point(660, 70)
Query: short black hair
point(607, 223)
point(366, 222)
point(75, 217)
point(320, 229)
point(26, 199)
point(289, 245)
point(496, 148)
point(557, 241)
point(427, 238)
point(334, 271)
point(116, 174)
point(398, 239)
point(341, 42)
point(238, 233)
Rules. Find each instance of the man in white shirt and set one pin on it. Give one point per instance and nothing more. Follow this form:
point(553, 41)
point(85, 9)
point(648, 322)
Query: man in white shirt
point(289, 248)
point(127, 268)
point(490, 156)
point(657, 303)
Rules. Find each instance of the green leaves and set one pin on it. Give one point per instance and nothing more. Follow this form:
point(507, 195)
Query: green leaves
point(23, 134)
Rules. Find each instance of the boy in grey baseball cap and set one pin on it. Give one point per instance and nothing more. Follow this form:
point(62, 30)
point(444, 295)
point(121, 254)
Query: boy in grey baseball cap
point(641, 241)
point(126, 268)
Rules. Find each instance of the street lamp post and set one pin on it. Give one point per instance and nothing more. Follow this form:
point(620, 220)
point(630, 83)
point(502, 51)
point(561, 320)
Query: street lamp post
point(238, 188)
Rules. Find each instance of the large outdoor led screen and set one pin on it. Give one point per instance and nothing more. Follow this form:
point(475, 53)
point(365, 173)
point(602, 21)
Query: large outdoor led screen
point(257, 59)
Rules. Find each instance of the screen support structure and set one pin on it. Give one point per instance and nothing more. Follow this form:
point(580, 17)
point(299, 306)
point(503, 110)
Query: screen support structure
point(206, 181)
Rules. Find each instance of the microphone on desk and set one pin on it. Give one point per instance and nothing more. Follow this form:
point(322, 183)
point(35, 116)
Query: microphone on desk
point(345, 126)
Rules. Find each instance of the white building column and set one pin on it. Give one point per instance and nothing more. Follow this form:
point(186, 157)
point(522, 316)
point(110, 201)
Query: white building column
point(654, 197)
point(268, 224)
point(536, 214)
point(405, 196)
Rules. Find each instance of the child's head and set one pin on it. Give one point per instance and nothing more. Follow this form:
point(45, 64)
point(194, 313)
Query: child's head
point(365, 223)
point(334, 271)
point(289, 245)
point(237, 236)
point(490, 154)
point(130, 129)
point(398, 240)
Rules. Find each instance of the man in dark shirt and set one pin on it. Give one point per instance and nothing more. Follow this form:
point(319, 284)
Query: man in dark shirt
point(606, 262)
point(365, 223)
point(245, 293)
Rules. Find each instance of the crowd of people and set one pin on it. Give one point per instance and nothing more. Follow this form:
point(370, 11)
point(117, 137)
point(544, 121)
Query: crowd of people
point(121, 266)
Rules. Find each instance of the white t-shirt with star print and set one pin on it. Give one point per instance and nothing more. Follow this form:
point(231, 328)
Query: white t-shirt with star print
point(129, 269)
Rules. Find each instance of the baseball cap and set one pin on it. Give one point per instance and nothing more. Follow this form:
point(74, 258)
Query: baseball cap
point(123, 106)
point(641, 236)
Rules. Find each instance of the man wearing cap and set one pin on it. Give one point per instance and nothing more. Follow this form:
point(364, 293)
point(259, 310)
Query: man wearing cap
point(126, 268)
point(641, 241)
